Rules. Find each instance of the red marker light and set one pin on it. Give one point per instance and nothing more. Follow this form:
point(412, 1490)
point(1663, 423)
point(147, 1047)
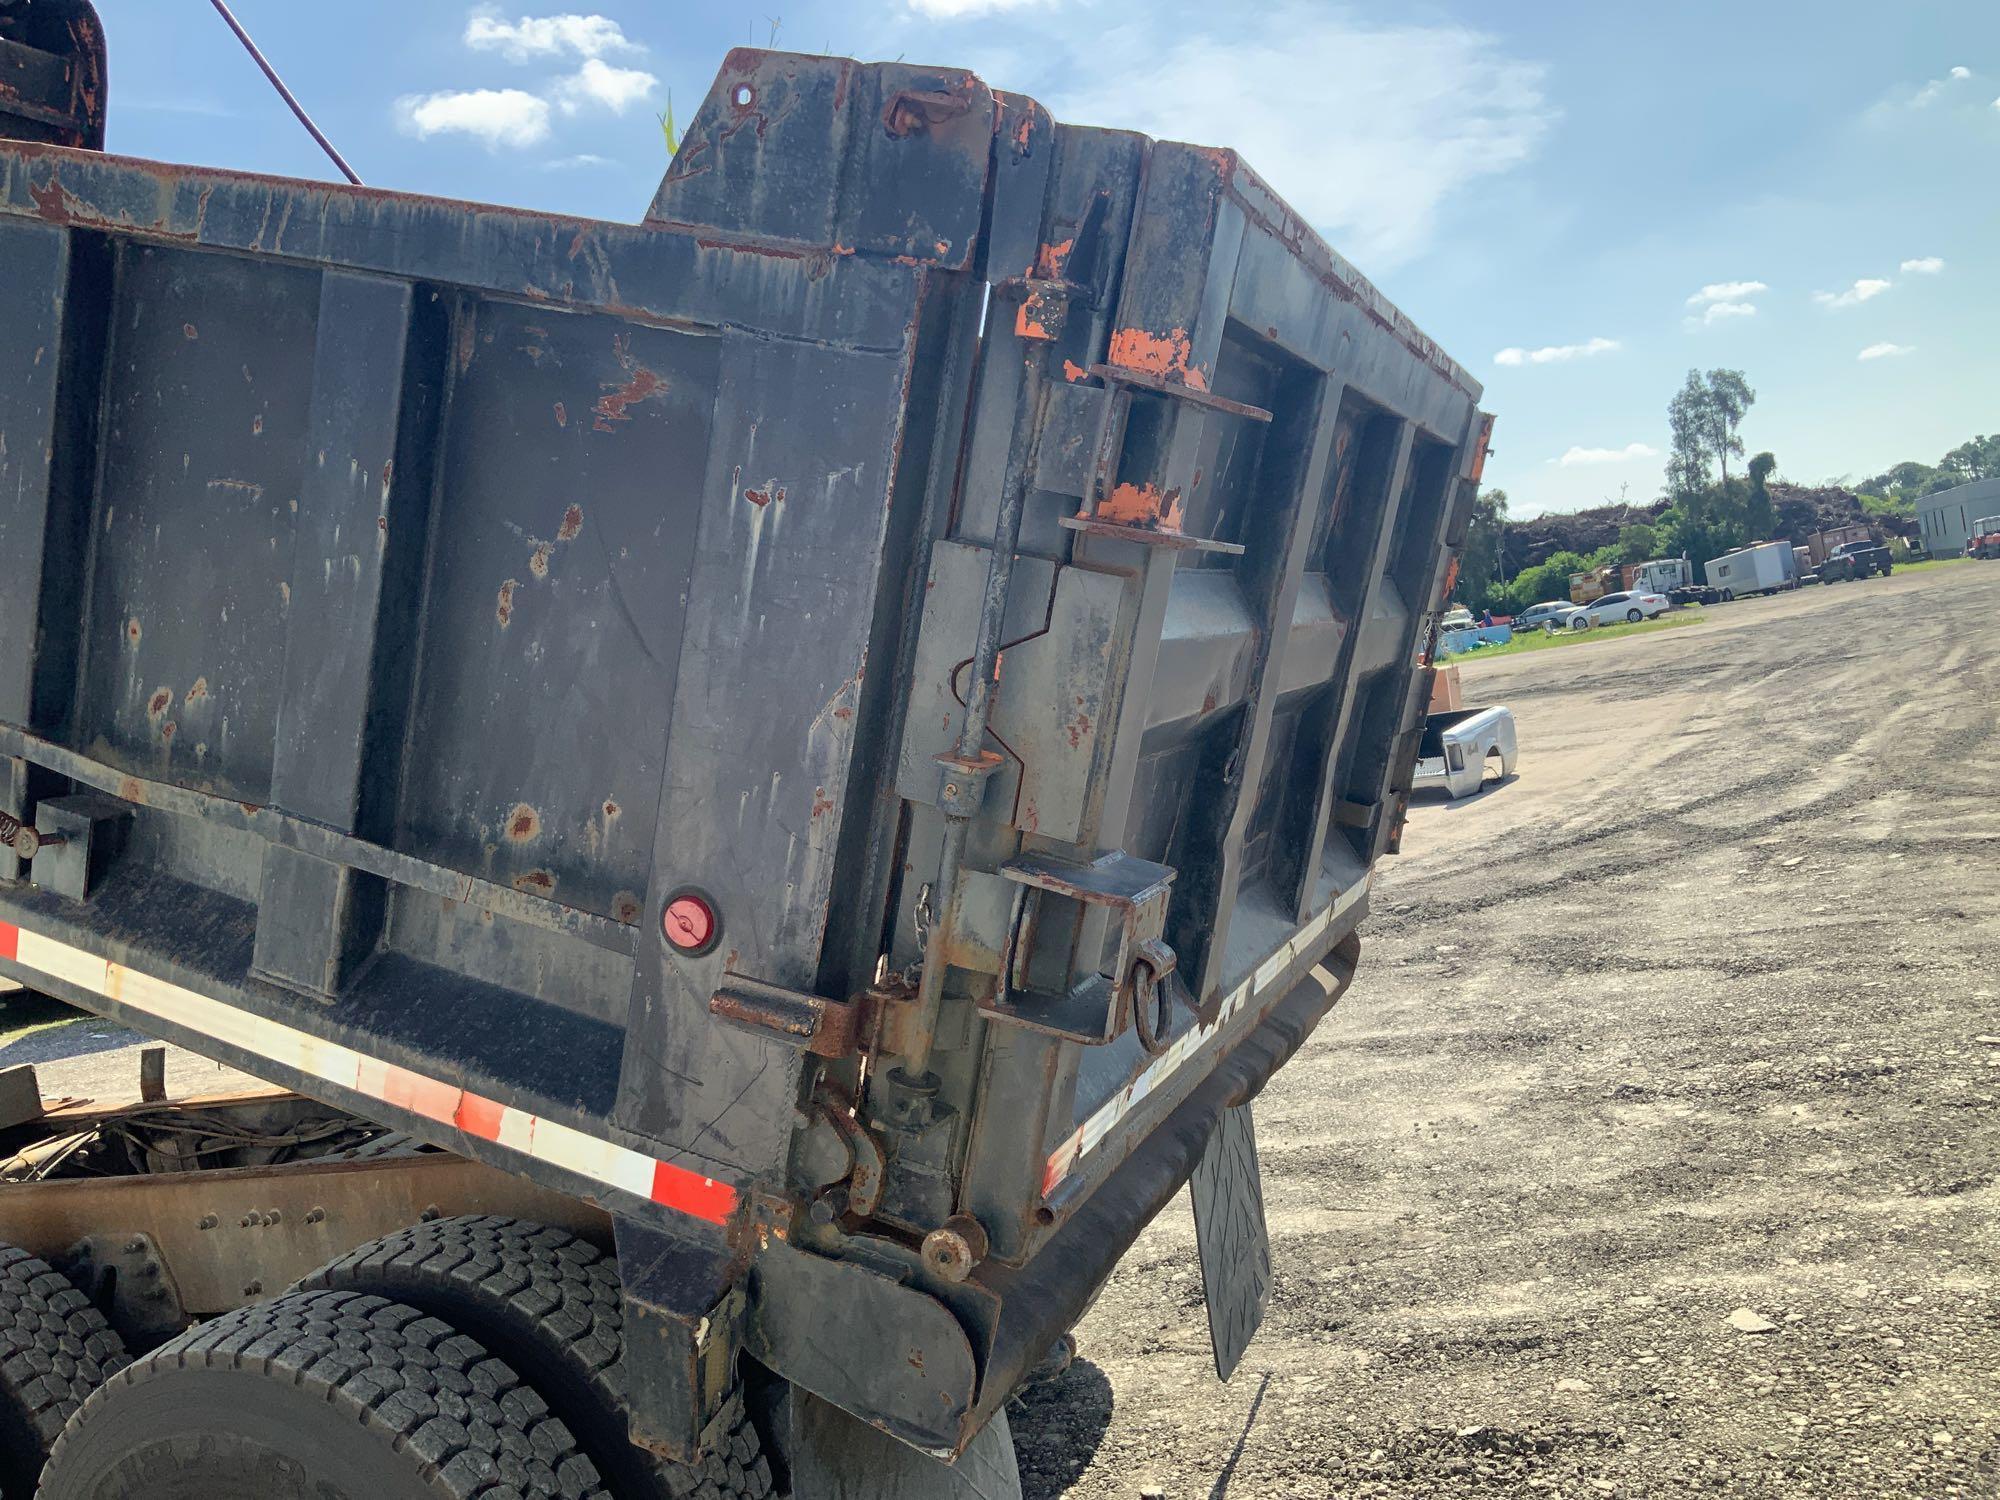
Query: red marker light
point(689, 923)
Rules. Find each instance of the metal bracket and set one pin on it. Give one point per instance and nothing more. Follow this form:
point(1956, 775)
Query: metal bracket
point(1099, 1008)
point(823, 1027)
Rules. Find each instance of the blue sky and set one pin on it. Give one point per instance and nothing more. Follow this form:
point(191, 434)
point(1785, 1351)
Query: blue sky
point(1579, 200)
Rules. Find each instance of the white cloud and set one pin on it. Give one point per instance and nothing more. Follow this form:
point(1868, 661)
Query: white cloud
point(598, 82)
point(1930, 92)
point(1555, 354)
point(499, 117)
point(1726, 291)
point(1928, 265)
point(1717, 312)
point(1884, 351)
point(1627, 454)
point(1854, 296)
point(582, 159)
point(1397, 121)
point(546, 36)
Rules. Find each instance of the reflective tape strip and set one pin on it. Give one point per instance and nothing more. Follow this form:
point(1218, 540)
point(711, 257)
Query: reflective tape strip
point(1091, 1133)
point(511, 1129)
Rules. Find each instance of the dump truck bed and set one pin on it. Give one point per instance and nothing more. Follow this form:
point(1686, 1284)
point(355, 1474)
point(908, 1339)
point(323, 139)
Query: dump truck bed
point(865, 703)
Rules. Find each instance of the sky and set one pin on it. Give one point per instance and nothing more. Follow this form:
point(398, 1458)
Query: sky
point(1580, 200)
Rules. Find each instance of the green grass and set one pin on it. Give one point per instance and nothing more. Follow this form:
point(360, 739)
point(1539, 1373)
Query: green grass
point(1540, 641)
point(1936, 562)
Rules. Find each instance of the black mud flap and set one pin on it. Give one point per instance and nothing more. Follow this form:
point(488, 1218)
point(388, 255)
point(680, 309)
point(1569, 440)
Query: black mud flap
point(1228, 1195)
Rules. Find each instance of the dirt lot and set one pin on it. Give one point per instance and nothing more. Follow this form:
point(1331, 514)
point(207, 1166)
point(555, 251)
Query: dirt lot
point(1699, 1013)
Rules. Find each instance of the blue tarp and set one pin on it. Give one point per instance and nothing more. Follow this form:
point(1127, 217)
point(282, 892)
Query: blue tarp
point(1453, 641)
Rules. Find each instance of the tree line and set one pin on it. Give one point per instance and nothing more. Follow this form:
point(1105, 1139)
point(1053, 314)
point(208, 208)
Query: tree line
point(1709, 509)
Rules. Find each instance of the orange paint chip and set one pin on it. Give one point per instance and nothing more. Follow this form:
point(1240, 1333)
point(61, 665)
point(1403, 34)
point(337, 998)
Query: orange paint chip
point(1166, 356)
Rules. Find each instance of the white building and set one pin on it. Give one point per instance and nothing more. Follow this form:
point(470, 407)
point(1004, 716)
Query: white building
point(1945, 519)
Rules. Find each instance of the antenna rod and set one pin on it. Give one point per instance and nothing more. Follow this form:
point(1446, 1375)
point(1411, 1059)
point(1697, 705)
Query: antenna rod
point(284, 93)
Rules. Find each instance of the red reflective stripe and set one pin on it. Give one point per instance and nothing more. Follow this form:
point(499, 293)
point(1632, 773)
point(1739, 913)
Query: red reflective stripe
point(480, 1117)
point(691, 1193)
point(10, 940)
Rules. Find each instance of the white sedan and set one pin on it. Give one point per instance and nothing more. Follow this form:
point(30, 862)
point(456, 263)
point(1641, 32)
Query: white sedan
point(1619, 609)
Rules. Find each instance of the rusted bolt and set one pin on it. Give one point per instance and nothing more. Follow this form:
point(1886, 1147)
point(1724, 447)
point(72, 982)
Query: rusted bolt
point(315, 1215)
point(246, 1221)
point(206, 1221)
point(134, 1245)
point(955, 1247)
point(252, 1289)
point(275, 1216)
point(951, 789)
point(431, 1213)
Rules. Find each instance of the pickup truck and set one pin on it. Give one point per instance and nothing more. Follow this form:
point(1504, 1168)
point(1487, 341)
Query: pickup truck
point(1853, 560)
point(1457, 747)
point(730, 996)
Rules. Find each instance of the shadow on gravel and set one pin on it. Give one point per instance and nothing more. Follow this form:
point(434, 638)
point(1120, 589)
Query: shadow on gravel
point(1057, 1429)
point(36, 1029)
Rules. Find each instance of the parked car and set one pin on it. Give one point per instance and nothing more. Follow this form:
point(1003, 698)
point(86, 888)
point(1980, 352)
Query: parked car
point(1551, 614)
point(1458, 617)
point(1459, 747)
point(1852, 560)
point(1616, 609)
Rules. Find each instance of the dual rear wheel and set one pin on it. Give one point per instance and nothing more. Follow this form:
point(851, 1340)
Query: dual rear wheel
point(467, 1359)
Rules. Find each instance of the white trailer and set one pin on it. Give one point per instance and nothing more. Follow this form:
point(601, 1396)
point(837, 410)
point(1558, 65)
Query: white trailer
point(1761, 569)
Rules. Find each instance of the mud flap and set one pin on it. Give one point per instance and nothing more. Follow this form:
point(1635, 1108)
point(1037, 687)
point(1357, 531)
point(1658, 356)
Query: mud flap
point(1228, 1194)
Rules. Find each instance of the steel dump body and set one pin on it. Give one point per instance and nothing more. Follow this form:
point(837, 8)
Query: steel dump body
point(408, 600)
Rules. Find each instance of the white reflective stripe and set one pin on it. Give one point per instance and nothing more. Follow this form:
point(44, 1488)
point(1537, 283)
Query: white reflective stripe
point(60, 961)
point(447, 1104)
point(1087, 1136)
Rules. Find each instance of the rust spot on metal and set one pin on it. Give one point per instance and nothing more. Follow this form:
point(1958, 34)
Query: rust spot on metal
point(188, 331)
point(132, 789)
point(257, 425)
point(1166, 356)
point(388, 473)
point(821, 802)
point(562, 415)
point(503, 610)
point(468, 343)
point(1141, 505)
point(159, 703)
point(1073, 372)
point(625, 907)
point(198, 692)
point(615, 404)
point(772, 491)
point(1208, 701)
point(572, 523)
point(167, 730)
point(611, 809)
point(382, 524)
point(523, 823)
point(132, 631)
point(535, 882)
point(843, 713)
point(538, 560)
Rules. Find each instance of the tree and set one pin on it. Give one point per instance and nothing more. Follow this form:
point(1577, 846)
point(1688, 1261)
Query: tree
point(1703, 419)
point(1978, 459)
point(1638, 543)
point(1761, 513)
point(1481, 562)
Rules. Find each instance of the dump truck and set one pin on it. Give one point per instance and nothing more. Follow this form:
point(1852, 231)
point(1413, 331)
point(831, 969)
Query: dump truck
point(763, 787)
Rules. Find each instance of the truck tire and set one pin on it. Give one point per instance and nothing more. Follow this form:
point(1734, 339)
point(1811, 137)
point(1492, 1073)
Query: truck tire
point(546, 1301)
point(324, 1393)
point(55, 1349)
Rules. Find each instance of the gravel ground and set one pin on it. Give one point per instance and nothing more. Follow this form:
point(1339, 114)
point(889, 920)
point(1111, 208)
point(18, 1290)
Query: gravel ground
point(1696, 1018)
